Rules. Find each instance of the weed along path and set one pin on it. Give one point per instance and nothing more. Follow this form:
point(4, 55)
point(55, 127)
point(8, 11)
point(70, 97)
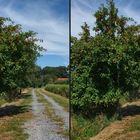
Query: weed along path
point(41, 126)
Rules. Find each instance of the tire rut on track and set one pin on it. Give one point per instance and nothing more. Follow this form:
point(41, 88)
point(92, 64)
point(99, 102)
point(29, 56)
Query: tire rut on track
point(59, 111)
point(40, 127)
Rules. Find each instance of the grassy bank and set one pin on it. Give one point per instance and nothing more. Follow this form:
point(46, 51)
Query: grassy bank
point(13, 116)
point(61, 100)
point(83, 128)
point(60, 89)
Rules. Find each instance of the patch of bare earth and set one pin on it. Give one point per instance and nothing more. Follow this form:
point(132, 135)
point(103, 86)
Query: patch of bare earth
point(118, 130)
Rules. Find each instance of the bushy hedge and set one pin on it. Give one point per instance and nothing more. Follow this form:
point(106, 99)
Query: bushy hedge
point(61, 89)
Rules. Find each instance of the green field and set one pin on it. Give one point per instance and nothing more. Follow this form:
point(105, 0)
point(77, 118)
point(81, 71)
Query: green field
point(61, 89)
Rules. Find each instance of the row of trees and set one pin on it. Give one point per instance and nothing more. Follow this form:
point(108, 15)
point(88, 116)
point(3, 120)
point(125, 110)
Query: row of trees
point(107, 65)
point(18, 53)
point(40, 77)
point(50, 74)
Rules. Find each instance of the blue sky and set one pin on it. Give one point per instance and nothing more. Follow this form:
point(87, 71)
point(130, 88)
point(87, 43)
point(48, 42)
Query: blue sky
point(50, 19)
point(83, 10)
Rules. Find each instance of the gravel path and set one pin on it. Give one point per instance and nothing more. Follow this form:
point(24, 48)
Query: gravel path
point(59, 111)
point(41, 127)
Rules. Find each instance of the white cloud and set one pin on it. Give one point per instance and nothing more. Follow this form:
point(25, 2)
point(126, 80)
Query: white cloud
point(79, 15)
point(55, 48)
point(129, 12)
point(82, 11)
point(53, 30)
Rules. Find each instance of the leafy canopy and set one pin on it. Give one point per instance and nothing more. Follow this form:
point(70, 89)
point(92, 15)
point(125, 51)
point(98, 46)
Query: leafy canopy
point(18, 53)
point(106, 65)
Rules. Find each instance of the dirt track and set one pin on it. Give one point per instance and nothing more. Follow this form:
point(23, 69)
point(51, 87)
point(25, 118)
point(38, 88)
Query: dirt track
point(41, 127)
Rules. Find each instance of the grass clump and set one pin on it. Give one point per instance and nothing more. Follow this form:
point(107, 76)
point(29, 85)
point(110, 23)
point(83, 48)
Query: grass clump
point(2, 101)
point(135, 125)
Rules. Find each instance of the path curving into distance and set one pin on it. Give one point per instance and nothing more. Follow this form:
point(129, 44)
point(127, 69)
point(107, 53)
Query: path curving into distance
point(40, 127)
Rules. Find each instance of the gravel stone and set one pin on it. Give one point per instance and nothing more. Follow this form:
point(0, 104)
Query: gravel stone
point(40, 127)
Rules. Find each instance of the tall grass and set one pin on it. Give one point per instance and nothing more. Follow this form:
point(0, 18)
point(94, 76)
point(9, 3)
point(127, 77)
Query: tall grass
point(61, 89)
point(84, 128)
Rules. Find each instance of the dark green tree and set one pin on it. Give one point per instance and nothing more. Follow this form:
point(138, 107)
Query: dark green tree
point(52, 73)
point(18, 53)
point(107, 65)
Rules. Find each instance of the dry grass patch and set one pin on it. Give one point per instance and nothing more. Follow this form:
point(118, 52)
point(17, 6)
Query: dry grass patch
point(13, 116)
